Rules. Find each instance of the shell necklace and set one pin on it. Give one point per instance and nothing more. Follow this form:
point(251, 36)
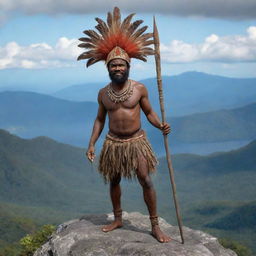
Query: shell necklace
point(122, 96)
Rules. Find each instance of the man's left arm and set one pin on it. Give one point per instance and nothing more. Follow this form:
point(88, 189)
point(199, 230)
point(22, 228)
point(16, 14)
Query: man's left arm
point(150, 113)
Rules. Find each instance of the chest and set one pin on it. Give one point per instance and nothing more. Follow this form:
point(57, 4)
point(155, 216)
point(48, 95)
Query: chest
point(130, 103)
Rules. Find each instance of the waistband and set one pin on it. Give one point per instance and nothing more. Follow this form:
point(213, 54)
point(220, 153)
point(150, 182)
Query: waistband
point(141, 134)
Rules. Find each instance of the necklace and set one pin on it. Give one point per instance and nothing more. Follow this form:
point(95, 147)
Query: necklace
point(122, 96)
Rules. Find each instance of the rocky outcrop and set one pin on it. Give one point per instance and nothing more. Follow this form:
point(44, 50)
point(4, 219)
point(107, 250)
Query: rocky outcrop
point(84, 237)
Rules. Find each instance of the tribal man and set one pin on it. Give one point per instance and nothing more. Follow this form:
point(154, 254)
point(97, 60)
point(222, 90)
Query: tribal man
point(126, 151)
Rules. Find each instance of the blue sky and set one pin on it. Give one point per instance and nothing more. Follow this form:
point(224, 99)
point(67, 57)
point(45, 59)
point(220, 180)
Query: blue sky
point(38, 39)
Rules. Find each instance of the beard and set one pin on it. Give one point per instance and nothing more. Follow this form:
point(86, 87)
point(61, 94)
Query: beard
point(119, 77)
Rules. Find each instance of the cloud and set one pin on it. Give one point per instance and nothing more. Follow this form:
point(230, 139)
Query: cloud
point(39, 55)
point(235, 48)
point(231, 9)
point(226, 49)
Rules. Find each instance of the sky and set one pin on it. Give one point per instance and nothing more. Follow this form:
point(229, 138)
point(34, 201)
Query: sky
point(39, 38)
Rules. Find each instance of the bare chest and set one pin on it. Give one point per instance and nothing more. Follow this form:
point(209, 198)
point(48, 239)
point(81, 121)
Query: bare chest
point(129, 103)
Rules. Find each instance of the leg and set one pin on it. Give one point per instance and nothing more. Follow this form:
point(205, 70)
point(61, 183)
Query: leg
point(150, 200)
point(115, 194)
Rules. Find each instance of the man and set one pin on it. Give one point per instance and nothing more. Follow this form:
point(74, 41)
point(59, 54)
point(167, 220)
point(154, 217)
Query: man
point(126, 151)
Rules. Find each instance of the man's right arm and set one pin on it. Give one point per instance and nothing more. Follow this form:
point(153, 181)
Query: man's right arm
point(97, 128)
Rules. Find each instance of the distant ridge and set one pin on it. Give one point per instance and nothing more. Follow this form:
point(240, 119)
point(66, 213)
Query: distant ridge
point(221, 125)
point(242, 159)
point(211, 127)
point(187, 93)
point(30, 114)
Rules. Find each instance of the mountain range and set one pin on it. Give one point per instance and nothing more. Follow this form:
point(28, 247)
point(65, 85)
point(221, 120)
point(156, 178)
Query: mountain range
point(184, 94)
point(44, 179)
point(34, 169)
point(30, 114)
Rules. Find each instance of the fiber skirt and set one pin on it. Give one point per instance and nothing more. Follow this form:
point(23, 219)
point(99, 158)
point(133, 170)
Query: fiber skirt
point(120, 157)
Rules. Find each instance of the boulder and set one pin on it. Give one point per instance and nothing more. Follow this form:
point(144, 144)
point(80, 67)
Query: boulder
point(84, 237)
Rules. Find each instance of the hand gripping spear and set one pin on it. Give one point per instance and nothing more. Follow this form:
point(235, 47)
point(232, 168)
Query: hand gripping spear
point(161, 99)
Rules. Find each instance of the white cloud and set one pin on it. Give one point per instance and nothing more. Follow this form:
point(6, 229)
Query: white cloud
point(40, 55)
point(227, 49)
point(235, 48)
point(234, 9)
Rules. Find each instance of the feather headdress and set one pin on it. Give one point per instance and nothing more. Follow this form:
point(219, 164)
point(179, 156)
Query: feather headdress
point(116, 39)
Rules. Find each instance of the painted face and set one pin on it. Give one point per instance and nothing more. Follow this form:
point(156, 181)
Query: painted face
point(118, 70)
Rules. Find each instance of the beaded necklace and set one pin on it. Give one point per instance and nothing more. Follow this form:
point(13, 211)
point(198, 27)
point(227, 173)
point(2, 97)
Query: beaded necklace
point(122, 96)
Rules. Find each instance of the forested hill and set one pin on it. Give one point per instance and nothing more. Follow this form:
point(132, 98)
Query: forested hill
point(34, 170)
point(242, 159)
point(43, 172)
point(40, 175)
point(221, 125)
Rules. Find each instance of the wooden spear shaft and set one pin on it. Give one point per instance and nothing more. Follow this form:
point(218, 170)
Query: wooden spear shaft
point(161, 100)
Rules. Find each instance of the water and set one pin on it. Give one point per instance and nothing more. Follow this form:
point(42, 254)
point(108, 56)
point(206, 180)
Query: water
point(204, 148)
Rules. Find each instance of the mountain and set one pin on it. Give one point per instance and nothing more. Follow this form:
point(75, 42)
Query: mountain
point(211, 127)
point(225, 219)
point(42, 172)
point(32, 170)
point(240, 160)
point(31, 114)
point(229, 176)
point(80, 92)
point(221, 125)
point(184, 94)
point(44, 180)
point(216, 192)
point(246, 214)
point(13, 226)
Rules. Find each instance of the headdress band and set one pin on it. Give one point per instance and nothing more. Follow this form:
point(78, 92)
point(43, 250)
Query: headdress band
point(118, 53)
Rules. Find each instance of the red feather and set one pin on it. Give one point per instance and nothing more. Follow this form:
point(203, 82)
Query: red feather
point(115, 34)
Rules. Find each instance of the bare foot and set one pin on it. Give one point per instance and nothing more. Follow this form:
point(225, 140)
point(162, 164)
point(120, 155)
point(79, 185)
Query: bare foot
point(115, 224)
point(159, 235)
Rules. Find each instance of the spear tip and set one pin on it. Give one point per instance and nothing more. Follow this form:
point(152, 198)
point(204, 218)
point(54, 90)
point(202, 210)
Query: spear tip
point(155, 32)
point(155, 27)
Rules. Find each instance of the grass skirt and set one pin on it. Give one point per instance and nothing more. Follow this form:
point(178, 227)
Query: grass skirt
point(121, 156)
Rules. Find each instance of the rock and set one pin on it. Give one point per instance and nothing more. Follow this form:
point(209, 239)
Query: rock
point(84, 237)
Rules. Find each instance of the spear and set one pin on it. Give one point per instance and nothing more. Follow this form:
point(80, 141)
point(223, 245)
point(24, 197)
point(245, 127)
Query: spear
point(161, 100)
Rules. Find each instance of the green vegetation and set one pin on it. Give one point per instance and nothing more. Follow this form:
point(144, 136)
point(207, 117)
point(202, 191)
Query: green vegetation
point(221, 125)
point(13, 226)
point(240, 249)
point(43, 173)
point(201, 217)
point(10, 250)
point(240, 218)
point(30, 243)
point(42, 181)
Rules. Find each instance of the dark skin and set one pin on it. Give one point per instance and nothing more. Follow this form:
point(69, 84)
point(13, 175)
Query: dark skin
point(124, 122)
